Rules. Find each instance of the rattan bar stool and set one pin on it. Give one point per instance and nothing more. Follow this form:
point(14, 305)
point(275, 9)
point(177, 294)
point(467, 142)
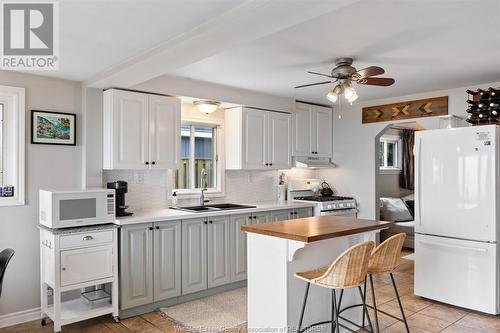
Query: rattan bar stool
point(347, 271)
point(384, 260)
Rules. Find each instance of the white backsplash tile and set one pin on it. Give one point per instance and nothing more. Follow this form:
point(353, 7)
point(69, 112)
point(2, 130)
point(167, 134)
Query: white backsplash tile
point(151, 189)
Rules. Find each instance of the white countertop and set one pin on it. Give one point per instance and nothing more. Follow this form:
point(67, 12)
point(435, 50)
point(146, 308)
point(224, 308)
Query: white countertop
point(175, 214)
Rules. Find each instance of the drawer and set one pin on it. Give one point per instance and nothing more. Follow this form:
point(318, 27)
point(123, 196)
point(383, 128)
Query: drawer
point(86, 264)
point(86, 239)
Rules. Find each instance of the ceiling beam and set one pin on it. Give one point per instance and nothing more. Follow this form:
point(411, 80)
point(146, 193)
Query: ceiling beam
point(251, 20)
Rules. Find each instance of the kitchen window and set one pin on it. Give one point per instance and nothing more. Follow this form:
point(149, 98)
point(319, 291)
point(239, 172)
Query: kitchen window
point(390, 154)
point(200, 150)
point(12, 141)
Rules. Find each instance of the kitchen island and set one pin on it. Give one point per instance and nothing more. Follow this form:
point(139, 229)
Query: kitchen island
point(276, 251)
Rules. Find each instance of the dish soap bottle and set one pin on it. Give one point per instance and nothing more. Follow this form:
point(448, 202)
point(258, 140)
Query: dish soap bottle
point(174, 199)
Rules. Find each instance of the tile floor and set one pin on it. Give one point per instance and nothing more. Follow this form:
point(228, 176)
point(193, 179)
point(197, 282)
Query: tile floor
point(424, 316)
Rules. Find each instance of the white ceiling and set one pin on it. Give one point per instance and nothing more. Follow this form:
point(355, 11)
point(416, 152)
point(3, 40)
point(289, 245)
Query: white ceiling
point(424, 45)
point(96, 35)
point(268, 45)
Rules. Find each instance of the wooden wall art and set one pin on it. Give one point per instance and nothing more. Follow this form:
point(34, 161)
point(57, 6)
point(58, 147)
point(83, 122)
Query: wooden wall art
point(429, 107)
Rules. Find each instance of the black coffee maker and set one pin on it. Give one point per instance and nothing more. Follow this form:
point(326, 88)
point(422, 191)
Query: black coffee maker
point(120, 187)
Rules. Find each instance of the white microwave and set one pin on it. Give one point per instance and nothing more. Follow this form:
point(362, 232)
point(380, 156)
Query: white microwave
point(76, 207)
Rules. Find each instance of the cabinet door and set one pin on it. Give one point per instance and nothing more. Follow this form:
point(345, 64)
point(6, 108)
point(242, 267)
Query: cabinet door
point(194, 255)
point(130, 130)
point(254, 139)
point(322, 131)
point(167, 260)
point(86, 264)
point(136, 265)
point(218, 251)
point(282, 215)
point(280, 140)
point(239, 247)
point(303, 212)
point(261, 217)
point(164, 127)
point(302, 130)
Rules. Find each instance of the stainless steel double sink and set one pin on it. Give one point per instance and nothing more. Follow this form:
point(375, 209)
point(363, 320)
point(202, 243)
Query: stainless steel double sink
point(213, 207)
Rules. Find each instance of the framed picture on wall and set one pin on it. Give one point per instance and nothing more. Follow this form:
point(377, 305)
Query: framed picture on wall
point(53, 128)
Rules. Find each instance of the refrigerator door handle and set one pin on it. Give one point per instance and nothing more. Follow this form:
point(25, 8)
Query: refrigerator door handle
point(477, 249)
point(417, 175)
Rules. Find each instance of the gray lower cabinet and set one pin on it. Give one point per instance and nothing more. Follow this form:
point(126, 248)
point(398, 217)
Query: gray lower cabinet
point(219, 263)
point(282, 215)
point(290, 214)
point(136, 265)
point(303, 212)
point(239, 246)
point(194, 255)
point(167, 260)
point(261, 217)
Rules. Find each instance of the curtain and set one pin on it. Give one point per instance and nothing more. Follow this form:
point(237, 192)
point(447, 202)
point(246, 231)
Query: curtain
point(407, 177)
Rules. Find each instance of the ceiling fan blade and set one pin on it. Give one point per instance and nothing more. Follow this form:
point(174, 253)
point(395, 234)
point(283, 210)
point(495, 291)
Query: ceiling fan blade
point(316, 73)
point(370, 71)
point(377, 81)
point(313, 84)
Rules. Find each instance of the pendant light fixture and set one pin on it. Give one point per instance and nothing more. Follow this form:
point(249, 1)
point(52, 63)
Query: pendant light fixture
point(206, 107)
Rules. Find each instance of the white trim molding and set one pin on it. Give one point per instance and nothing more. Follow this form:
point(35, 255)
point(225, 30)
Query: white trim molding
point(20, 317)
point(14, 142)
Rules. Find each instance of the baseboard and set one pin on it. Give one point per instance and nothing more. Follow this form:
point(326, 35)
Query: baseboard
point(19, 317)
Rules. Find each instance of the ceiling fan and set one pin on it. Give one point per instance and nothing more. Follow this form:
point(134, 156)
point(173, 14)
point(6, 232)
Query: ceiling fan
point(344, 73)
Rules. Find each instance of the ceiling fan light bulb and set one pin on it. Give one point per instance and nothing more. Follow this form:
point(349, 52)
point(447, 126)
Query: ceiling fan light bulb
point(353, 97)
point(332, 96)
point(349, 92)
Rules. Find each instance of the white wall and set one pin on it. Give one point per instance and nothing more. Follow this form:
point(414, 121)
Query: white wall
point(46, 165)
point(354, 144)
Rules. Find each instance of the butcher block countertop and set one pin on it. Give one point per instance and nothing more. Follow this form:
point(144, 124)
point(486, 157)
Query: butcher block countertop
point(312, 229)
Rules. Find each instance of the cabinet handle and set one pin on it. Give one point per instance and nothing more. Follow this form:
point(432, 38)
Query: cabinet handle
point(87, 238)
point(150, 228)
point(267, 164)
point(63, 268)
point(205, 222)
point(157, 227)
point(147, 163)
point(250, 218)
point(153, 162)
point(211, 222)
point(254, 217)
point(270, 164)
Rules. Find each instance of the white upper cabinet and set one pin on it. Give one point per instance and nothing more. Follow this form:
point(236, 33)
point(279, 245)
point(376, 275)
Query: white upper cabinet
point(164, 129)
point(313, 127)
point(257, 139)
point(280, 140)
point(140, 131)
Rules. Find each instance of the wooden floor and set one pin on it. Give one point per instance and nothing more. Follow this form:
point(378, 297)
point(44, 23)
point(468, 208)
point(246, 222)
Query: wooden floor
point(424, 316)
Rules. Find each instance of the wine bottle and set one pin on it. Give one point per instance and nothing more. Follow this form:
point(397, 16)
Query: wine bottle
point(472, 92)
point(492, 91)
point(482, 105)
point(494, 105)
point(471, 102)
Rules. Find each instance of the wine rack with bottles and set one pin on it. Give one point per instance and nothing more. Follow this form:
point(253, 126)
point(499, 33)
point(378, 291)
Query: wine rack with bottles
point(483, 106)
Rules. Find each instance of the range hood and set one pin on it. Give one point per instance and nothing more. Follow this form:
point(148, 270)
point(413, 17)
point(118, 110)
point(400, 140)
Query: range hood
point(313, 162)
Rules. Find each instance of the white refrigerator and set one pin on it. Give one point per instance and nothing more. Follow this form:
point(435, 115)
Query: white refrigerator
point(456, 216)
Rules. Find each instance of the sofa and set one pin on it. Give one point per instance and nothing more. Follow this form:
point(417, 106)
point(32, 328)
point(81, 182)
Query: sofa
point(398, 211)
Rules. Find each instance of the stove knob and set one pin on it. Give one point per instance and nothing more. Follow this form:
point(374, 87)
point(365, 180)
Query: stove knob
point(334, 206)
point(328, 206)
point(341, 205)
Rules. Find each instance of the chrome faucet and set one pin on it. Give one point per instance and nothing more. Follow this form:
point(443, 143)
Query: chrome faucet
point(204, 187)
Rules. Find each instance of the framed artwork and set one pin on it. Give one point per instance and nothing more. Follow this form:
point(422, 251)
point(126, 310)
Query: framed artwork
point(53, 128)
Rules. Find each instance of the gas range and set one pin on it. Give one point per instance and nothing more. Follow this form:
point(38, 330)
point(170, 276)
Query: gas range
point(325, 205)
